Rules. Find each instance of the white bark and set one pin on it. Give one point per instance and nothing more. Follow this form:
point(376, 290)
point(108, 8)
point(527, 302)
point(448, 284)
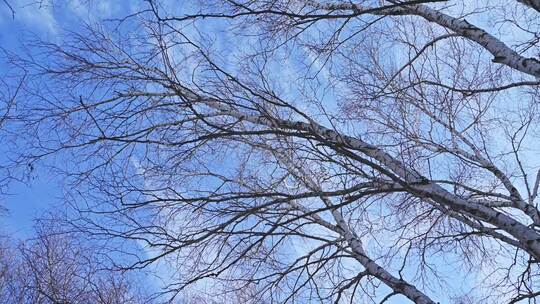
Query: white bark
point(397, 285)
point(526, 235)
point(501, 52)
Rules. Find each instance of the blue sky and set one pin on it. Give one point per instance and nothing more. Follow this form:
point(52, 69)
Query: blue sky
point(27, 201)
point(46, 21)
point(30, 200)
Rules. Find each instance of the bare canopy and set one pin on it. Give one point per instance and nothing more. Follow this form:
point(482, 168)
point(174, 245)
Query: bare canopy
point(301, 151)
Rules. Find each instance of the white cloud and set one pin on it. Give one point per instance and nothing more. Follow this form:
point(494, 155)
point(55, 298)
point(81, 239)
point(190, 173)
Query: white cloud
point(37, 17)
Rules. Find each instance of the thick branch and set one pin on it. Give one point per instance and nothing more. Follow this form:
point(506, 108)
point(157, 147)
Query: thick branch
point(398, 285)
point(501, 52)
point(418, 183)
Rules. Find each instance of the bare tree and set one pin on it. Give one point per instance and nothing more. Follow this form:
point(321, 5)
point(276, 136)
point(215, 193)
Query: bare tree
point(303, 151)
point(9, 89)
point(59, 268)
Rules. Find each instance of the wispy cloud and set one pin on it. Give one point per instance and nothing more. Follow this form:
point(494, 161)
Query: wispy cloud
point(37, 17)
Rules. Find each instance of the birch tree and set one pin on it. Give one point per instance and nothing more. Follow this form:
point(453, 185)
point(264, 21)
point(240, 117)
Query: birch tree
point(58, 268)
point(302, 151)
